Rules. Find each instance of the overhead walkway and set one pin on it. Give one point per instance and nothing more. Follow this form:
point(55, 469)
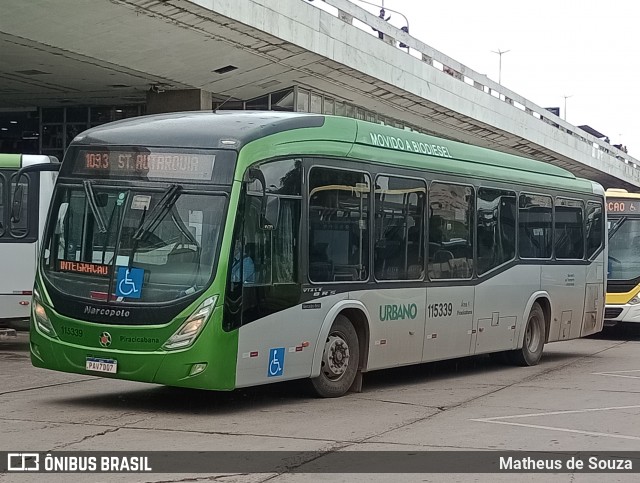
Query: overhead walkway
point(133, 51)
point(427, 88)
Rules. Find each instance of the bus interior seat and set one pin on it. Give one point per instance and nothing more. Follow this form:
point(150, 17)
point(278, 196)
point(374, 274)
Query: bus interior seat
point(414, 272)
point(392, 272)
point(459, 268)
point(439, 270)
point(442, 256)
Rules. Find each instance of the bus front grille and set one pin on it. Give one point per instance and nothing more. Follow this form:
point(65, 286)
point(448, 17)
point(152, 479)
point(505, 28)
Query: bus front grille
point(611, 313)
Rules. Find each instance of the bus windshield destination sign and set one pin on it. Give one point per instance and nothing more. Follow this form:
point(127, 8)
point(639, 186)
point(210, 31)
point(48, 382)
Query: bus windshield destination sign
point(623, 206)
point(151, 165)
point(83, 267)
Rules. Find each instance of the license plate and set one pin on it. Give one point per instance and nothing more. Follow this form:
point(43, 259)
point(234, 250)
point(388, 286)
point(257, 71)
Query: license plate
point(101, 365)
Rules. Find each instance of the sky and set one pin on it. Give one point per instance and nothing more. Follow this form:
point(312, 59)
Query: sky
point(588, 51)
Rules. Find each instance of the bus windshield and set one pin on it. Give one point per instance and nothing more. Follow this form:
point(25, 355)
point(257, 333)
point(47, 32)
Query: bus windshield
point(169, 237)
point(624, 248)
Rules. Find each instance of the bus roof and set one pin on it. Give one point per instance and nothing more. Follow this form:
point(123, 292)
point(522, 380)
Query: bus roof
point(197, 129)
point(17, 161)
point(10, 161)
point(621, 193)
point(264, 134)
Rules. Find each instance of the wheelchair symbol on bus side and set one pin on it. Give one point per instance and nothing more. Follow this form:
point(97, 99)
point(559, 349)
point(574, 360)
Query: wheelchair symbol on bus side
point(129, 282)
point(276, 362)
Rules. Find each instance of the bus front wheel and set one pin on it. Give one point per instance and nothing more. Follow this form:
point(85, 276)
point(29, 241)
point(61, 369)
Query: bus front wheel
point(339, 360)
point(533, 341)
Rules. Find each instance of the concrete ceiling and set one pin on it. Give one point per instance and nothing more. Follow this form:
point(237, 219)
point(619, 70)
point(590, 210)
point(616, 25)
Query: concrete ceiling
point(54, 53)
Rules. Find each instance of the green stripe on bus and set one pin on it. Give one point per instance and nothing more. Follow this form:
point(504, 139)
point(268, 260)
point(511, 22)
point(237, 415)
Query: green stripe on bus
point(348, 138)
point(10, 160)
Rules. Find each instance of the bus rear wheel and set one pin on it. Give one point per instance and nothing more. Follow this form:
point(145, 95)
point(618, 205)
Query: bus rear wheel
point(533, 341)
point(339, 360)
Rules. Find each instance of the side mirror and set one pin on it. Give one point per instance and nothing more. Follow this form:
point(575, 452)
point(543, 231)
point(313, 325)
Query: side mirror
point(270, 212)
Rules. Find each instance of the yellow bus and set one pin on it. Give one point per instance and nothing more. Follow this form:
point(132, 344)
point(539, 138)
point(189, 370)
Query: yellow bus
point(623, 268)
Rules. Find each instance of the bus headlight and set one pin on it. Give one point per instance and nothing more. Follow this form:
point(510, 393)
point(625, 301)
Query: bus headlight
point(635, 300)
point(188, 332)
point(40, 317)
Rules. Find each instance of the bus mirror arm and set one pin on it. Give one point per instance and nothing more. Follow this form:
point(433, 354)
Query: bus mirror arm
point(16, 202)
point(35, 168)
point(270, 204)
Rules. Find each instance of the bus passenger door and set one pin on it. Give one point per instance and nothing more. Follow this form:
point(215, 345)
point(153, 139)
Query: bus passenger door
point(449, 310)
point(595, 281)
point(449, 324)
point(566, 282)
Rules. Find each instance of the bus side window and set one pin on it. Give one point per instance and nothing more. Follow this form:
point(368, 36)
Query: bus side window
point(451, 228)
point(338, 225)
point(496, 230)
point(569, 230)
point(534, 226)
point(399, 228)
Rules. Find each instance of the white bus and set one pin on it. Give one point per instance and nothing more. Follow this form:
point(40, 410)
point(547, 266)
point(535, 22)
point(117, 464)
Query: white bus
point(21, 225)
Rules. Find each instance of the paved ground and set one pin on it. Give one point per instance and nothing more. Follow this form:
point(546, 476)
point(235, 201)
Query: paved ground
point(584, 396)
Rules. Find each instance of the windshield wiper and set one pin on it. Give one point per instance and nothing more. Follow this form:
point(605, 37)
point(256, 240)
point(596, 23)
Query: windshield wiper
point(616, 226)
point(108, 236)
point(159, 211)
point(91, 199)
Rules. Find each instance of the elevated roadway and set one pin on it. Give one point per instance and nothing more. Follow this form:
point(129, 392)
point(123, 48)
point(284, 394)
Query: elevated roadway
point(66, 53)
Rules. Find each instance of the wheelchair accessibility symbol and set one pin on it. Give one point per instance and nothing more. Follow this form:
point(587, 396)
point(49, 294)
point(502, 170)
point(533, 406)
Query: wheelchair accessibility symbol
point(129, 282)
point(276, 362)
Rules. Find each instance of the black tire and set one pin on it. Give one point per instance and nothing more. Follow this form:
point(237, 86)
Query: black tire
point(21, 325)
point(533, 339)
point(340, 359)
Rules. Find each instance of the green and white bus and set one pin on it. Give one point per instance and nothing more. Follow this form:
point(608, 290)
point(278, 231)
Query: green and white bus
point(225, 250)
point(21, 227)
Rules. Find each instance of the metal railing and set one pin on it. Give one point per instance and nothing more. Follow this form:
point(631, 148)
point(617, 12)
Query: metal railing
point(348, 11)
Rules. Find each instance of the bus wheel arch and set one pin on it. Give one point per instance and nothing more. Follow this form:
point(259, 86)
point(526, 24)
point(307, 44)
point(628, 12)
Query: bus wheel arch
point(545, 305)
point(361, 324)
point(346, 339)
point(535, 334)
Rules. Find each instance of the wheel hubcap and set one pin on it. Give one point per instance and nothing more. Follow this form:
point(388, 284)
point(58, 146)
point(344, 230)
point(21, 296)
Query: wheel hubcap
point(532, 335)
point(336, 357)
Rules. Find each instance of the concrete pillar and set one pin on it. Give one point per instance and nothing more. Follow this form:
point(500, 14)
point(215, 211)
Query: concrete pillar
point(178, 100)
